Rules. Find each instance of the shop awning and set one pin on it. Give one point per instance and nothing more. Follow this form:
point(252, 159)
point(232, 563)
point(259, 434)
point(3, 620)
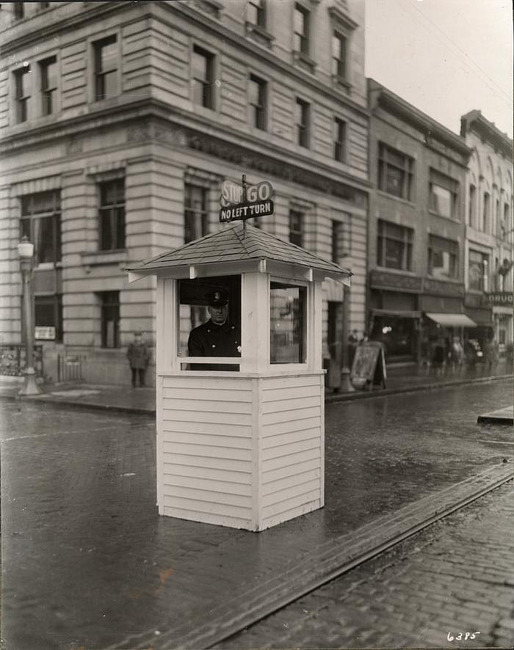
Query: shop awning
point(452, 320)
point(396, 312)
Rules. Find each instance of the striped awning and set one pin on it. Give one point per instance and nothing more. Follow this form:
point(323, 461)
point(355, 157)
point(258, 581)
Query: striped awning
point(452, 320)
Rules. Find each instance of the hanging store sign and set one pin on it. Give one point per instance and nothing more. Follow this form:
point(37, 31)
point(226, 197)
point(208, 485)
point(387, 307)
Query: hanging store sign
point(500, 298)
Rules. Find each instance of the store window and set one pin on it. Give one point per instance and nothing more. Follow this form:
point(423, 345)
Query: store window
point(443, 258)
point(48, 75)
point(504, 322)
point(395, 172)
point(288, 303)
point(296, 223)
point(41, 223)
point(110, 318)
point(196, 215)
point(257, 98)
point(443, 192)
point(394, 246)
point(301, 30)
point(22, 93)
point(106, 67)
point(203, 77)
point(112, 214)
point(478, 271)
point(19, 10)
point(48, 317)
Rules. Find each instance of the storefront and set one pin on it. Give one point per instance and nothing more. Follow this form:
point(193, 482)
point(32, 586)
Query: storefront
point(502, 314)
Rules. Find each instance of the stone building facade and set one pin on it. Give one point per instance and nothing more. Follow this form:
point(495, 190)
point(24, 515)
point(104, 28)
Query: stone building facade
point(489, 256)
point(120, 121)
point(417, 231)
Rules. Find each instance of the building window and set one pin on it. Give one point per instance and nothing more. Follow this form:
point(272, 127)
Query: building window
point(41, 223)
point(394, 246)
point(443, 195)
point(339, 140)
point(341, 239)
point(256, 12)
point(301, 29)
point(287, 323)
point(506, 227)
point(486, 208)
point(478, 271)
point(43, 5)
point(257, 98)
point(48, 73)
point(302, 122)
point(19, 10)
point(110, 318)
point(472, 206)
point(22, 93)
point(338, 56)
point(296, 220)
point(195, 212)
point(497, 219)
point(203, 77)
point(48, 313)
point(443, 258)
point(106, 68)
point(112, 215)
point(395, 172)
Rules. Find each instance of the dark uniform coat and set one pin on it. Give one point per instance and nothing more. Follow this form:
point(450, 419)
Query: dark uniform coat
point(138, 355)
point(211, 340)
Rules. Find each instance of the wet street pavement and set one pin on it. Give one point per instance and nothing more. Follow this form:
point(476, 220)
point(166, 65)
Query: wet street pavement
point(451, 586)
point(87, 562)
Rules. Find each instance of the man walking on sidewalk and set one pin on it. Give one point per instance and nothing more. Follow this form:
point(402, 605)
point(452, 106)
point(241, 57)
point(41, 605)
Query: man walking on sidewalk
point(139, 358)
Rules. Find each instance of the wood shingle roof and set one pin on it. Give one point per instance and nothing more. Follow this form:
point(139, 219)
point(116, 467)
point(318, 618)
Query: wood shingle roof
point(229, 245)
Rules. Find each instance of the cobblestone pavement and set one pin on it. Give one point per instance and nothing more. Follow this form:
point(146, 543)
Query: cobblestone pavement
point(88, 562)
point(451, 586)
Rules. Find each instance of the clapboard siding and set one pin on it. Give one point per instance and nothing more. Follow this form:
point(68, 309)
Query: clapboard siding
point(205, 438)
point(291, 447)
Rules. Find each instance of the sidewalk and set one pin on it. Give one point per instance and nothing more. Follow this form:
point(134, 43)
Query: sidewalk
point(402, 379)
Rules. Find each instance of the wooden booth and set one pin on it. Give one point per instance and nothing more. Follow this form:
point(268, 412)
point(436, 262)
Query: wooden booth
point(242, 447)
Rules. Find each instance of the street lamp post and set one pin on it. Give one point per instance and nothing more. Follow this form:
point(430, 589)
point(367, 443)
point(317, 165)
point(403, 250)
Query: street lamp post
point(26, 253)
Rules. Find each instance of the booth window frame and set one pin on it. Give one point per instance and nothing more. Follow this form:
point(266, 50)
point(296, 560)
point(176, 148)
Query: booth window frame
point(307, 309)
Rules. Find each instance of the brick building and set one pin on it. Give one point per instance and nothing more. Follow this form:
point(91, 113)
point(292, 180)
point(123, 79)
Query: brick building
point(489, 225)
point(119, 122)
point(417, 231)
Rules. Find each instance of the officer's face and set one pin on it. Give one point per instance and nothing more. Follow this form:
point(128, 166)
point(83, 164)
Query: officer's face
point(218, 314)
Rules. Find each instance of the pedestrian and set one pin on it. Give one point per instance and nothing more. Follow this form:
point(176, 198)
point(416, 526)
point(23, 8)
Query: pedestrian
point(218, 337)
point(353, 340)
point(491, 353)
point(138, 356)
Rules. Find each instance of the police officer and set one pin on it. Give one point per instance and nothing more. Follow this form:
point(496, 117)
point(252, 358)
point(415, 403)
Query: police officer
point(218, 337)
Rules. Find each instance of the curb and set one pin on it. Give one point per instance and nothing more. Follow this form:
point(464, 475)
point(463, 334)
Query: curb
point(326, 562)
point(329, 399)
point(344, 397)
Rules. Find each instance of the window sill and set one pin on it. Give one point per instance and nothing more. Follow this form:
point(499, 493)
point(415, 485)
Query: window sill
point(105, 257)
point(304, 61)
point(396, 198)
point(443, 216)
point(342, 83)
point(396, 271)
point(260, 34)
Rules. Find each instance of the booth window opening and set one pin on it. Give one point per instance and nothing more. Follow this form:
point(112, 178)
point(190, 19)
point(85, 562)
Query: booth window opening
point(209, 321)
point(288, 323)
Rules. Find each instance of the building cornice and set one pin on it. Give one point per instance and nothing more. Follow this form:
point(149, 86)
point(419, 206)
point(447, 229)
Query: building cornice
point(190, 130)
point(416, 118)
point(475, 122)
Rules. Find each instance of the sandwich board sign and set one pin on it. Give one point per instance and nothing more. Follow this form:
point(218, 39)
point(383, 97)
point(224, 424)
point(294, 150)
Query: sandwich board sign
point(368, 367)
point(241, 202)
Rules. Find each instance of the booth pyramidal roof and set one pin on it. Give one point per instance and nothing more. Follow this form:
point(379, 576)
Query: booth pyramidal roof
point(232, 245)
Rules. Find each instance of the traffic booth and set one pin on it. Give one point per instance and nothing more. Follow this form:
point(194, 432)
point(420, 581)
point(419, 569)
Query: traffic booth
point(242, 447)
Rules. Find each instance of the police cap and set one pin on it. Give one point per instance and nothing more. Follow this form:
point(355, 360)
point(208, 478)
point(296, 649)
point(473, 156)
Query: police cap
point(217, 298)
